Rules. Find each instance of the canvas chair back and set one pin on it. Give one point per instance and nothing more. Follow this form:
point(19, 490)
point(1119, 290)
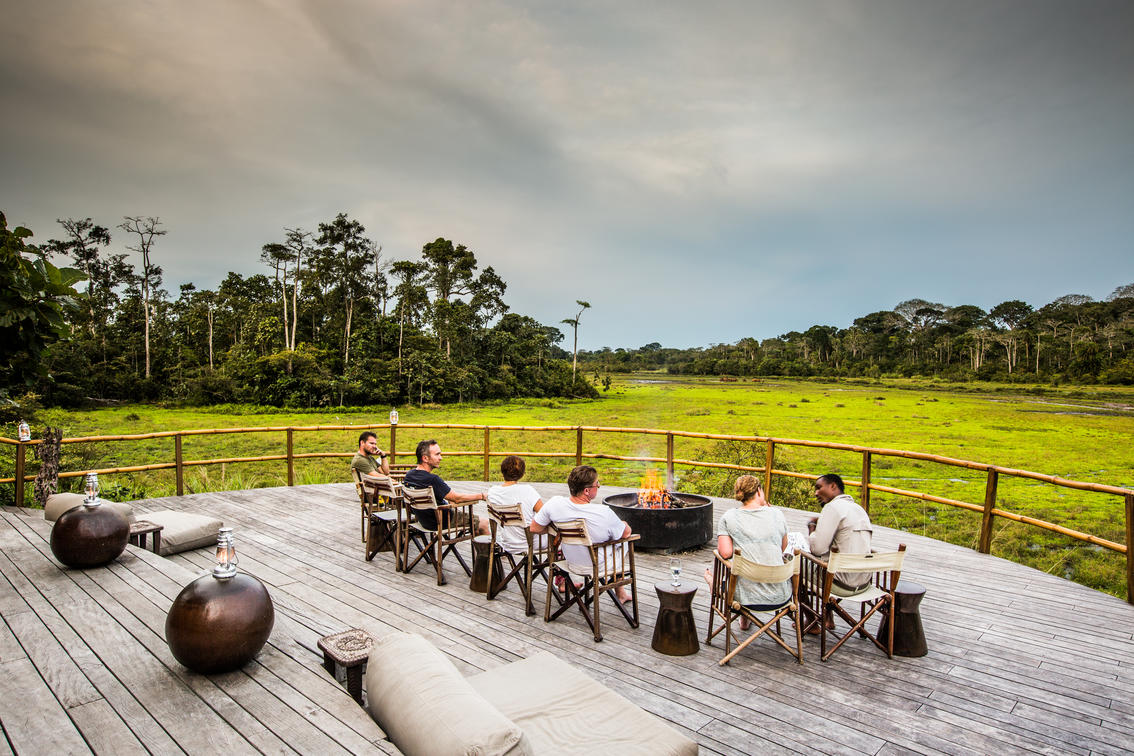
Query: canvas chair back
point(763, 573)
point(880, 562)
point(506, 515)
point(419, 498)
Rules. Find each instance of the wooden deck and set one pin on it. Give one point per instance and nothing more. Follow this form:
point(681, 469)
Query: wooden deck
point(1019, 662)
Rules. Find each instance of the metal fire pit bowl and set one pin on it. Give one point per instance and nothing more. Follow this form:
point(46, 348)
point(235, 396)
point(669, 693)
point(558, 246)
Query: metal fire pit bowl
point(669, 530)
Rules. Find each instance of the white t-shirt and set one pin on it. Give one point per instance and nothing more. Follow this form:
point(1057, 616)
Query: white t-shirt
point(512, 538)
point(601, 521)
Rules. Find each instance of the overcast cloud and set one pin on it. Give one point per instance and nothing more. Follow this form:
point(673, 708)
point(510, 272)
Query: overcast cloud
point(698, 172)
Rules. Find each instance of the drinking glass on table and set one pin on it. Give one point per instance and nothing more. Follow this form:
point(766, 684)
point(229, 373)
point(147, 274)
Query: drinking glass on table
point(675, 570)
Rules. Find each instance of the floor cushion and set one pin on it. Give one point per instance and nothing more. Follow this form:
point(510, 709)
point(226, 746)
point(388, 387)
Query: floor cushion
point(426, 707)
point(182, 531)
point(59, 503)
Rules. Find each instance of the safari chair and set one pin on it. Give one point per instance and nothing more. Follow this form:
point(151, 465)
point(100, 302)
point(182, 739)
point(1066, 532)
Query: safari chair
point(386, 520)
point(436, 543)
point(367, 497)
point(724, 605)
point(535, 562)
point(602, 575)
point(876, 597)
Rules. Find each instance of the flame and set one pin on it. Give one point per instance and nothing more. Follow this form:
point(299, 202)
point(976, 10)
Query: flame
point(651, 491)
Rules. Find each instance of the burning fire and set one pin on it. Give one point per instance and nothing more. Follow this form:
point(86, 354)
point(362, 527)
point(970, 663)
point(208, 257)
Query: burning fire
point(652, 493)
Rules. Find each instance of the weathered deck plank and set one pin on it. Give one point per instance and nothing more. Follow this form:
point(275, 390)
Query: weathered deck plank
point(1004, 674)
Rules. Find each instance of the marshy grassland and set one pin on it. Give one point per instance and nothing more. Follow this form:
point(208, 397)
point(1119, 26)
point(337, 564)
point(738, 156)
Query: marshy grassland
point(1081, 433)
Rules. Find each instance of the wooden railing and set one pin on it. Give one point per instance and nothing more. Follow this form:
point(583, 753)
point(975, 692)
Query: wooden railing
point(988, 509)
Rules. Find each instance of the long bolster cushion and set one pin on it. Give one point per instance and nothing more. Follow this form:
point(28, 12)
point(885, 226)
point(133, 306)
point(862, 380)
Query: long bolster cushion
point(59, 503)
point(420, 699)
point(563, 711)
point(182, 531)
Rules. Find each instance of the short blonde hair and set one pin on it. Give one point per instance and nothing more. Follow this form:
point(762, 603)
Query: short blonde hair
point(746, 487)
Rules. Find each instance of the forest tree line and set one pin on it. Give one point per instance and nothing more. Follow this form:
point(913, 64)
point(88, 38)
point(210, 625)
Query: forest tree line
point(1073, 339)
point(327, 322)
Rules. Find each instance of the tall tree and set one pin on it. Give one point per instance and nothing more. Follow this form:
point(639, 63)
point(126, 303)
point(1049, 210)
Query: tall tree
point(84, 238)
point(351, 252)
point(574, 323)
point(145, 229)
point(412, 297)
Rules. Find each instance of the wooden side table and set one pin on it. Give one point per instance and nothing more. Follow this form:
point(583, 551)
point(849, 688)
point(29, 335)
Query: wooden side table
point(482, 551)
point(675, 632)
point(140, 529)
point(909, 637)
point(349, 650)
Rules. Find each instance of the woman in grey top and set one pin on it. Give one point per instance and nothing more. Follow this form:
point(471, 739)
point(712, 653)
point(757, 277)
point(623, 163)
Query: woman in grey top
point(759, 531)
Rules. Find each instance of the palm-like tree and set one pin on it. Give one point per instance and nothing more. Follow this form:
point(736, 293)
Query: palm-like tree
point(574, 323)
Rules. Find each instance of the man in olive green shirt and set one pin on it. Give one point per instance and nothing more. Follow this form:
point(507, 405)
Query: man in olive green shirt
point(370, 460)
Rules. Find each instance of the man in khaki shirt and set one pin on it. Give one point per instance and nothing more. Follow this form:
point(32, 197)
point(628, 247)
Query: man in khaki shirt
point(842, 526)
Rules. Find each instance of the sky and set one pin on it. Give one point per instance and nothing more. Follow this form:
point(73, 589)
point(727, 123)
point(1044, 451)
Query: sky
point(698, 172)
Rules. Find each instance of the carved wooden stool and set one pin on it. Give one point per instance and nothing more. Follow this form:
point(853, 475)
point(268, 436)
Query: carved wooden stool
point(349, 650)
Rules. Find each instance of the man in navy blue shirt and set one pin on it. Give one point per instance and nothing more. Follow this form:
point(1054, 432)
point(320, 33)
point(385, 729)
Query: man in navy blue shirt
point(422, 476)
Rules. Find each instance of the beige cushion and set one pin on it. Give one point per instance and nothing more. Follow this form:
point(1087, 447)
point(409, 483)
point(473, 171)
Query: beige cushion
point(563, 711)
point(420, 699)
point(182, 531)
point(59, 503)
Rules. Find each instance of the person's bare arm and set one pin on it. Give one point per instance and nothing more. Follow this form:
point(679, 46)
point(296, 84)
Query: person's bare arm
point(458, 498)
point(538, 505)
point(724, 546)
point(537, 528)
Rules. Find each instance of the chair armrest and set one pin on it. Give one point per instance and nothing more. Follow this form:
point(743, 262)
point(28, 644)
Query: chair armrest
point(628, 539)
point(813, 559)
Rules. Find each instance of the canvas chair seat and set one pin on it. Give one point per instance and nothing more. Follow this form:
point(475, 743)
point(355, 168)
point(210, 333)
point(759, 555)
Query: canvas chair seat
point(436, 543)
point(875, 598)
point(723, 604)
point(603, 575)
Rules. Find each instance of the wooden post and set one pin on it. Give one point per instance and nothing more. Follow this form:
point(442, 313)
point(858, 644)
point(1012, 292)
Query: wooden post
point(393, 444)
point(865, 494)
point(178, 468)
point(578, 446)
point(1130, 548)
point(290, 456)
point(486, 450)
point(669, 462)
point(19, 501)
point(985, 545)
point(769, 463)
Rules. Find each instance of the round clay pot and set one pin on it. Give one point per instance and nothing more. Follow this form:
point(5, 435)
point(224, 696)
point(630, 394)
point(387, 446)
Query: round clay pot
point(219, 625)
point(89, 536)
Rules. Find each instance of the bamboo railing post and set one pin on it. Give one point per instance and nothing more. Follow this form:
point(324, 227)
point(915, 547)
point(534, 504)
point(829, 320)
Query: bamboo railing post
point(1130, 548)
point(486, 450)
point(393, 444)
point(20, 447)
point(669, 462)
point(985, 545)
point(865, 494)
point(578, 446)
point(179, 470)
point(769, 464)
point(291, 456)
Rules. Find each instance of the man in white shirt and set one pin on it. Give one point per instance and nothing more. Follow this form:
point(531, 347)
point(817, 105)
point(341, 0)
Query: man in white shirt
point(601, 522)
point(512, 538)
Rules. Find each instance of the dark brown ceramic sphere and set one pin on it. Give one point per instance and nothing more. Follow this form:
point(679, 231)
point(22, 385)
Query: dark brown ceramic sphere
point(219, 625)
point(89, 536)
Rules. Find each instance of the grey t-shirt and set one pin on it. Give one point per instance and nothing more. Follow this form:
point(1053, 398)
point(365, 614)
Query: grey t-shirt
point(759, 534)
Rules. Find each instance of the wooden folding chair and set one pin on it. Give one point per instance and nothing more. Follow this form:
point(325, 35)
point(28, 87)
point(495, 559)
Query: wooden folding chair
point(451, 530)
point(876, 597)
point(367, 497)
point(386, 520)
point(535, 562)
point(723, 603)
point(611, 567)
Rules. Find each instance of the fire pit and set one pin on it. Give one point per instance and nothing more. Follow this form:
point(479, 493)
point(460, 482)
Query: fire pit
point(666, 520)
